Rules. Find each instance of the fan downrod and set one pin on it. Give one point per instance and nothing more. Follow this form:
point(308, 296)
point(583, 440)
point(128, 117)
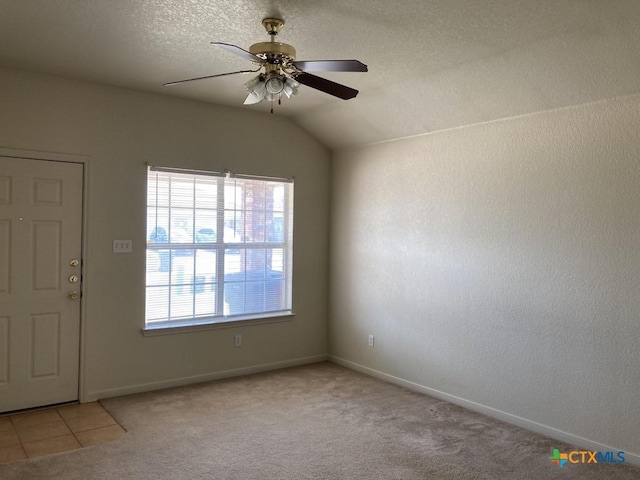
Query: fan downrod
point(274, 53)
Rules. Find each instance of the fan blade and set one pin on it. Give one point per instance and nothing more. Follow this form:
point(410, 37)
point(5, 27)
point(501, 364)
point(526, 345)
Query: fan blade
point(238, 51)
point(331, 66)
point(326, 86)
point(208, 76)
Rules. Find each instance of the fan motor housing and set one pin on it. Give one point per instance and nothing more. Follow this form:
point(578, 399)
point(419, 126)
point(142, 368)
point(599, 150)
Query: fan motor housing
point(274, 52)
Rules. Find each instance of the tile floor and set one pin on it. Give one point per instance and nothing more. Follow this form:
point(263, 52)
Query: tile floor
point(55, 430)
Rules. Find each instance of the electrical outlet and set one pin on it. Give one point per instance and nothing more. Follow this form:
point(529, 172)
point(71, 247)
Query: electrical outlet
point(237, 341)
point(372, 340)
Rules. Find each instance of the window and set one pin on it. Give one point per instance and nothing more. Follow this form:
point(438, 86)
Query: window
point(219, 247)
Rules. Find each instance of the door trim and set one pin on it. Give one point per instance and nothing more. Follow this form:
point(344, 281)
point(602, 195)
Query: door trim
point(84, 160)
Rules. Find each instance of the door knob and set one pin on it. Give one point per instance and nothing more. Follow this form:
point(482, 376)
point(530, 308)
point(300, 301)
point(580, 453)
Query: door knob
point(73, 295)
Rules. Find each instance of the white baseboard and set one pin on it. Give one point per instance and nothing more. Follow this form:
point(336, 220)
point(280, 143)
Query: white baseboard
point(631, 458)
point(178, 382)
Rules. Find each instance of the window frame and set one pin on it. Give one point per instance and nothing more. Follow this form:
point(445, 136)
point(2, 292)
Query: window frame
point(221, 318)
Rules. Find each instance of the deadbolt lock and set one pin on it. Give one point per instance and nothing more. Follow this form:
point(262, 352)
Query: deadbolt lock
point(74, 279)
point(74, 262)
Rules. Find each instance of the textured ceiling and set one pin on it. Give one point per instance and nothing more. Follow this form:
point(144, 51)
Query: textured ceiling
point(433, 64)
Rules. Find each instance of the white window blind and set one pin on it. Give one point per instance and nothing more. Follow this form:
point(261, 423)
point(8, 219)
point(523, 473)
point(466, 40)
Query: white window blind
point(219, 247)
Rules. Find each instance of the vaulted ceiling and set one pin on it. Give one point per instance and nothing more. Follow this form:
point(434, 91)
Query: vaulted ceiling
point(433, 64)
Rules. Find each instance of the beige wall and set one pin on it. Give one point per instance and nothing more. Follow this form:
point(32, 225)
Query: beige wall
point(498, 266)
point(118, 131)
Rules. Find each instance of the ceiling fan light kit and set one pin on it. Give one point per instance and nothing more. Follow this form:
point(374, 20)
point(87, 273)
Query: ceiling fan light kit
point(269, 89)
point(281, 73)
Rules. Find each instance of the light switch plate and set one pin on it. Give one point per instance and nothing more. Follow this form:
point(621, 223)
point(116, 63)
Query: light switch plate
point(122, 246)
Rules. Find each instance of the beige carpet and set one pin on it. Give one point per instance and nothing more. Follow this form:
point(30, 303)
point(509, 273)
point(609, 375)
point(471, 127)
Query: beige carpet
point(319, 421)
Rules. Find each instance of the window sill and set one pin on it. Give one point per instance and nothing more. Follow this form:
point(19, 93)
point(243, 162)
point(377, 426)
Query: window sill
point(224, 322)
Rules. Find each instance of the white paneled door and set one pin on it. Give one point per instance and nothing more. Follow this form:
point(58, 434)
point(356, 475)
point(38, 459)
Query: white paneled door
point(40, 281)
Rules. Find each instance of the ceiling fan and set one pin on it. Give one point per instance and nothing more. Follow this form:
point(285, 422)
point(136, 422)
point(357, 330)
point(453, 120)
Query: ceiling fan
point(281, 73)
